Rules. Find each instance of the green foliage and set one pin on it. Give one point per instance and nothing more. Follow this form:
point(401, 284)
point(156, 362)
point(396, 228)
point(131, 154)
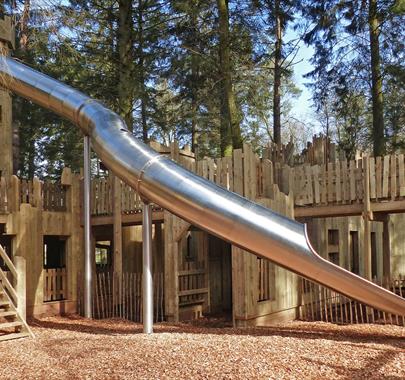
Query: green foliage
point(343, 65)
point(175, 78)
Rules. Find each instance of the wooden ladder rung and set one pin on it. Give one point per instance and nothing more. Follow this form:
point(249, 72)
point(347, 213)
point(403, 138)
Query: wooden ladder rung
point(7, 313)
point(4, 304)
point(14, 336)
point(7, 325)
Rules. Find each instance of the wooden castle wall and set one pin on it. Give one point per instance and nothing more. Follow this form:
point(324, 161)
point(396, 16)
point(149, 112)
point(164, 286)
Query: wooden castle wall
point(349, 231)
point(397, 243)
point(36, 210)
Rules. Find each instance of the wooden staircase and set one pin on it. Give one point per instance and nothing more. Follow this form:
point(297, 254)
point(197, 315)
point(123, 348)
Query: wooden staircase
point(12, 322)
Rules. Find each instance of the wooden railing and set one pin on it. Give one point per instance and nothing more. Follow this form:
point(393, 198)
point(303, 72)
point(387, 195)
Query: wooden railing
point(193, 284)
point(130, 200)
point(50, 196)
point(244, 172)
point(54, 197)
point(120, 296)
point(322, 304)
point(55, 284)
point(27, 194)
point(13, 283)
point(101, 196)
point(344, 182)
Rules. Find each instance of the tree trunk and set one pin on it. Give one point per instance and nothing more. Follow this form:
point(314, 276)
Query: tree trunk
point(141, 70)
point(194, 79)
point(24, 25)
point(125, 84)
point(277, 76)
point(376, 82)
point(230, 132)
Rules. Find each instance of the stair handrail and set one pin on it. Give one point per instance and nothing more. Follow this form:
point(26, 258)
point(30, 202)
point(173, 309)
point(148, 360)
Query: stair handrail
point(3, 277)
point(8, 262)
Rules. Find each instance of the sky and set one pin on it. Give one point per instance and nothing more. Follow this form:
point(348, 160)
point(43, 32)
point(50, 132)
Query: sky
point(302, 105)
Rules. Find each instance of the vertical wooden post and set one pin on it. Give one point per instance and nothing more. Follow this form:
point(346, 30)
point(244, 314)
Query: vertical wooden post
point(21, 286)
point(6, 130)
point(171, 283)
point(386, 248)
point(14, 194)
point(117, 225)
point(367, 216)
point(37, 202)
point(66, 180)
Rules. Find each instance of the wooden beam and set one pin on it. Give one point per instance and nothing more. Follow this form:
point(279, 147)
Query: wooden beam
point(390, 207)
point(127, 219)
point(328, 211)
point(181, 230)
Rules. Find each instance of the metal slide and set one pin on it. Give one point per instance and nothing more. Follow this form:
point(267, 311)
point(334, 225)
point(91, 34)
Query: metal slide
point(200, 202)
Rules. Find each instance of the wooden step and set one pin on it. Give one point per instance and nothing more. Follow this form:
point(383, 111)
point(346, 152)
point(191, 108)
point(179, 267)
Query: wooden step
point(10, 313)
point(14, 336)
point(7, 325)
point(4, 304)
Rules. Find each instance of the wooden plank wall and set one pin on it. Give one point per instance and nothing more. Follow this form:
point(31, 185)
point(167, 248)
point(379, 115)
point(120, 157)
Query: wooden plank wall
point(4, 208)
point(255, 280)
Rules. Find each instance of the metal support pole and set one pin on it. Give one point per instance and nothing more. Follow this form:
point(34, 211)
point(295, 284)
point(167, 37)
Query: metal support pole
point(88, 273)
point(147, 268)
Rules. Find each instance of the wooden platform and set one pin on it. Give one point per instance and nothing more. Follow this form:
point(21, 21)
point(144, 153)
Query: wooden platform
point(127, 219)
point(388, 207)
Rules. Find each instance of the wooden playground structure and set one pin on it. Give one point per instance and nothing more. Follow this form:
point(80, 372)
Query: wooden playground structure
point(348, 206)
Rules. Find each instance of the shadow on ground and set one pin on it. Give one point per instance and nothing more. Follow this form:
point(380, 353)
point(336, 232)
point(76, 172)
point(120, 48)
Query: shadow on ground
point(218, 326)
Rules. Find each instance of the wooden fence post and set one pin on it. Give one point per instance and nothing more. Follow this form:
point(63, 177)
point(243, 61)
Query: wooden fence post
point(367, 216)
point(21, 288)
point(117, 225)
point(37, 193)
point(14, 195)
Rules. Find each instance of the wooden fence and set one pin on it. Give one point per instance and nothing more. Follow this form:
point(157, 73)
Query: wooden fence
point(340, 182)
point(322, 304)
point(120, 296)
point(343, 182)
point(101, 196)
point(193, 284)
point(50, 196)
point(55, 284)
point(53, 197)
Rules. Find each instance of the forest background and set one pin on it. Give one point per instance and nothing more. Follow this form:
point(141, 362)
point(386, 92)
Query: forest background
point(214, 73)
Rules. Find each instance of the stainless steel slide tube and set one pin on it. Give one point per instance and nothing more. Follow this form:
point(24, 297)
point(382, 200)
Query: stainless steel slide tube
point(88, 273)
point(200, 202)
point(147, 279)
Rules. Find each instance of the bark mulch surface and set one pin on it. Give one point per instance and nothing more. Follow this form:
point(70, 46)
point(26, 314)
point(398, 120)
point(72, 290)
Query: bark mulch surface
point(75, 348)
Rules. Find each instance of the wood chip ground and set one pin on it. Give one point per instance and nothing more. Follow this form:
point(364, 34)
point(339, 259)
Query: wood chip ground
point(75, 348)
